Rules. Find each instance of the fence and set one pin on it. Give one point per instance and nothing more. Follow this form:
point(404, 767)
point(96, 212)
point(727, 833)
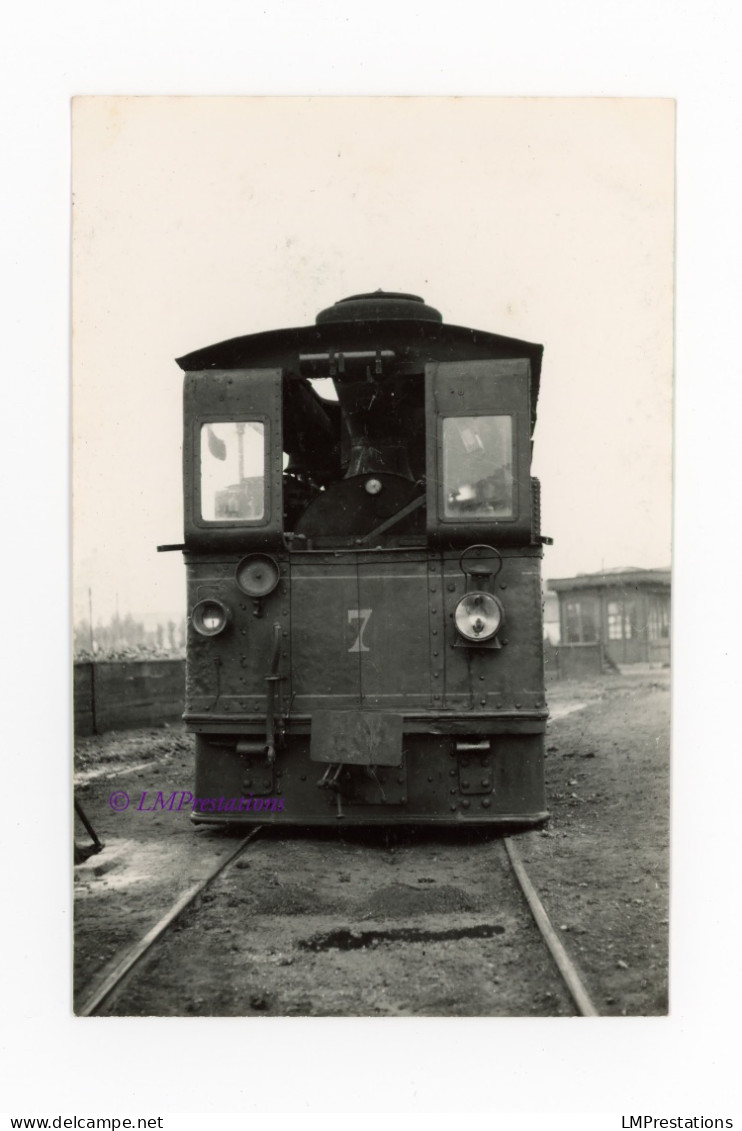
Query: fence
point(120, 694)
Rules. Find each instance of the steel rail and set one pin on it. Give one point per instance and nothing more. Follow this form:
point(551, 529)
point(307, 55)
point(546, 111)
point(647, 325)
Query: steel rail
point(121, 971)
point(554, 944)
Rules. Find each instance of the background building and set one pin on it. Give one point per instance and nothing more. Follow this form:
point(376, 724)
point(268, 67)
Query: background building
point(617, 616)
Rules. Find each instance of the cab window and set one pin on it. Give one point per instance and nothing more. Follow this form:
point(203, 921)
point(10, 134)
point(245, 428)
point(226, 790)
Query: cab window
point(233, 471)
point(478, 467)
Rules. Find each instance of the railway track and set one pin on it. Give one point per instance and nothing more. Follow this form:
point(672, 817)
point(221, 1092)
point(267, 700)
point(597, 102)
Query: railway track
point(440, 924)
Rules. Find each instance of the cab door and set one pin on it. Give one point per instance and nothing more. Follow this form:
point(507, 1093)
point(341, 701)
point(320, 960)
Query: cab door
point(232, 459)
point(478, 451)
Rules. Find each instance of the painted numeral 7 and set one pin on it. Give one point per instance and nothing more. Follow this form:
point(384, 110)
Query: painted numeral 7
point(362, 617)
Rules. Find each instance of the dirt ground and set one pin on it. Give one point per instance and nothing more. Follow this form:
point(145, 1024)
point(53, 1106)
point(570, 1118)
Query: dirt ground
point(601, 868)
point(602, 864)
point(344, 925)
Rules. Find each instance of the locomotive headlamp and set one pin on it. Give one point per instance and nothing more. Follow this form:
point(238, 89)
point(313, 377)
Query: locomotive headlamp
point(257, 575)
point(373, 486)
point(210, 617)
point(478, 616)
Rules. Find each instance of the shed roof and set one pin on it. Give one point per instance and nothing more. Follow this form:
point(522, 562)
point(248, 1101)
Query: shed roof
point(628, 577)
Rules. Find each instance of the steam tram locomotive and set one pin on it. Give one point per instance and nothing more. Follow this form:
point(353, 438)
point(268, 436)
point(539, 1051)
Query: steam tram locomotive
point(363, 554)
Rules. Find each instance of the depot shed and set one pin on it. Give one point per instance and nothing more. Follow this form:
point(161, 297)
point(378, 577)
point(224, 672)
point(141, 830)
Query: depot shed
point(622, 616)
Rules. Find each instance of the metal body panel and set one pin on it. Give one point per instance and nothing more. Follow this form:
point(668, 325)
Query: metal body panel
point(226, 674)
point(394, 659)
point(495, 698)
point(358, 635)
point(473, 723)
point(370, 631)
point(324, 669)
point(427, 788)
point(511, 677)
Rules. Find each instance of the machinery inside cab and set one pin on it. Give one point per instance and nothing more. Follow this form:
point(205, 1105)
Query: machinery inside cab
point(381, 427)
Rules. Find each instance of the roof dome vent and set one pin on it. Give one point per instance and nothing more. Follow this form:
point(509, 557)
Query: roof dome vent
point(379, 306)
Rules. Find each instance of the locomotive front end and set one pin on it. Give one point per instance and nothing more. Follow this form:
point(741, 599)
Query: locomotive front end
point(363, 559)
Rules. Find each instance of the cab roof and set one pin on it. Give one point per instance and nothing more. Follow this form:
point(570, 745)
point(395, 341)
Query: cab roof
point(380, 320)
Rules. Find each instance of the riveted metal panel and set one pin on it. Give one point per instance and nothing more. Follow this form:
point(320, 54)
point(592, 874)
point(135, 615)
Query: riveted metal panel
point(509, 678)
point(393, 640)
point(327, 634)
point(436, 632)
point(375, 785)
point(226, 674)
point(475, 761)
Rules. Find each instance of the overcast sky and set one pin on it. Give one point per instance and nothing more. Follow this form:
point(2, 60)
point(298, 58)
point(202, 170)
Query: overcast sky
point(200, 219)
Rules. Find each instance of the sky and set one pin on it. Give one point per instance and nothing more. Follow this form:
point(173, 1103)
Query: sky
point(201, 219)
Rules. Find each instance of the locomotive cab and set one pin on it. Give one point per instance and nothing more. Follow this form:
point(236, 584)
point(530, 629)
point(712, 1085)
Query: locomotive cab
point(362, 549)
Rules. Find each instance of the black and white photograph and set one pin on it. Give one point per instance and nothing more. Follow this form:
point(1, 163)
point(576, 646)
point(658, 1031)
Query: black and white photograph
point(370, 462)
point(372, 485)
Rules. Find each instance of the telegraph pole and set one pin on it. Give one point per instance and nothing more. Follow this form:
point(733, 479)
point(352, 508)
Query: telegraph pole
point(93, 716)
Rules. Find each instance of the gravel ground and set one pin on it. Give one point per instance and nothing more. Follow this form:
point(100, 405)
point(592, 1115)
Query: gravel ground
point(602, 865)
point(601, 868)
point(348, 926)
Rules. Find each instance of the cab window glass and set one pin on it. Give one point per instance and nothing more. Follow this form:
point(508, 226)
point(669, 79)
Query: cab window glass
point(478, 467)
point(233, 471)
